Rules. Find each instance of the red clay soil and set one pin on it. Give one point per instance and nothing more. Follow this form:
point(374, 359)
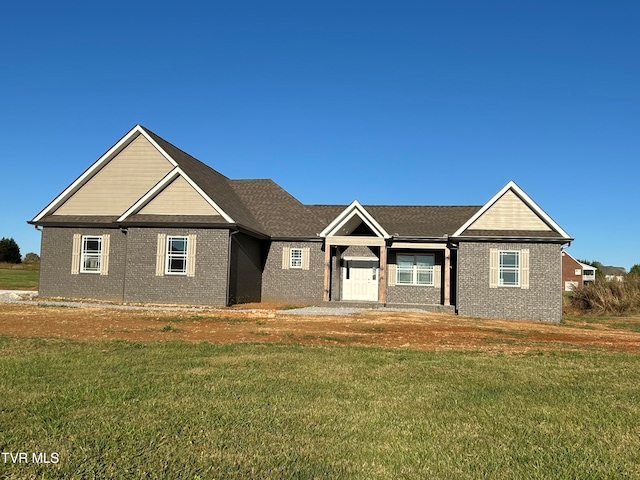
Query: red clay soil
point(420, 331)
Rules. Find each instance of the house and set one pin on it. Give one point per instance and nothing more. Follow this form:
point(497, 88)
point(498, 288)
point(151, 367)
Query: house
point(614, 273)
point(149, 223)
point(574, 273)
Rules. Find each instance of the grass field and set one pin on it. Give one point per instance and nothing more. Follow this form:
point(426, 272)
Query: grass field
point(22, 276)
point(181, 410)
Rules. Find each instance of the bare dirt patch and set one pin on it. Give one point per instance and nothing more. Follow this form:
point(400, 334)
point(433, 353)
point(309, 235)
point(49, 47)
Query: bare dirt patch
point(423, 331)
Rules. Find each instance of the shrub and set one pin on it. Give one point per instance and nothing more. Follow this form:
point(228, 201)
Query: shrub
point(9, 251)
point(608, 296)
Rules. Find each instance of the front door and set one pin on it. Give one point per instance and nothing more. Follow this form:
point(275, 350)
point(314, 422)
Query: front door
point(360, 280)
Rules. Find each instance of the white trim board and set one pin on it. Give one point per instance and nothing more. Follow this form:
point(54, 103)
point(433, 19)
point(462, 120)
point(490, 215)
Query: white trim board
point(355, 208)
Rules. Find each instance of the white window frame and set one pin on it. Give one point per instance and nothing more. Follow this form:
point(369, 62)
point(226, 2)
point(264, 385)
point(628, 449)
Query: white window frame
point(295, 258)
point(86, 254)
point(502, 269)
point(169, 255)
point(416, 270)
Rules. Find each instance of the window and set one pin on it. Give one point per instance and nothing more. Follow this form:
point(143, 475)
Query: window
point(415, 269)
point(509, 268)
point(91, 254)
point(578, 271)
point(176, 259)
point(295, 258)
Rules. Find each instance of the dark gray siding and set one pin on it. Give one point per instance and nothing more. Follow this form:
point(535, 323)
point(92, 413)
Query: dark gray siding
point(207, 287)
point(56, 279)
point(293, 285)
point(541, 301)
point(245, 275)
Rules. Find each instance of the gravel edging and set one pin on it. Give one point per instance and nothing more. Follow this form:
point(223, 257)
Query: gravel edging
point(30, 298)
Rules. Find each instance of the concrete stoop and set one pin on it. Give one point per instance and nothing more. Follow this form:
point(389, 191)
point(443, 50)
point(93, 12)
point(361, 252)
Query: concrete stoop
point(400, 306)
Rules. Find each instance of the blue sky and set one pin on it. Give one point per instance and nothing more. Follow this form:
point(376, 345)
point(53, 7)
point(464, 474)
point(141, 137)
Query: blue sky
point(412, 102)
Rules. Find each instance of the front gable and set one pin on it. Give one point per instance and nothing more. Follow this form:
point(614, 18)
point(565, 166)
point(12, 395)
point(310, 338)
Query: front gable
point(511, 213)
point(178, 198)
point(136, 176)
point(115, 181)
point(176, 194)
point(354, 221)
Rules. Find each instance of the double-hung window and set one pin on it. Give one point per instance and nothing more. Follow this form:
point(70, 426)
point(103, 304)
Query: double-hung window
point(415, 269)
point(295, 258)
point(91, 254)
point(176, 258)
point(509, 268)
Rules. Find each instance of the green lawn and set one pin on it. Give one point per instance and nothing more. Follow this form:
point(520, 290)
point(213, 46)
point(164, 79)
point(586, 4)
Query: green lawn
point(19, 277)
point(179, 410)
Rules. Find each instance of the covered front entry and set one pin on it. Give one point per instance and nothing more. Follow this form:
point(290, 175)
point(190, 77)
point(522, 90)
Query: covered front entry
point(360, 280)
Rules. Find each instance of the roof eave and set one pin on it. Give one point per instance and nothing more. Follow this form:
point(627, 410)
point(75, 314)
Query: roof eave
point(512, 239)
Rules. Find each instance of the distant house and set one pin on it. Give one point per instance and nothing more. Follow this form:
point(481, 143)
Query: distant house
point(614, 273)
point(574, 273)
point(148, 222)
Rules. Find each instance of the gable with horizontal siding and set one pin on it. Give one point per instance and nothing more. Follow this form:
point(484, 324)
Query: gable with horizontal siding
point(178, 198)
point(120, 183)
point(509, 213)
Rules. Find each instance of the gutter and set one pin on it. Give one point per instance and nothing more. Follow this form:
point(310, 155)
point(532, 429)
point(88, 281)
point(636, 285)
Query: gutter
point(561, 241)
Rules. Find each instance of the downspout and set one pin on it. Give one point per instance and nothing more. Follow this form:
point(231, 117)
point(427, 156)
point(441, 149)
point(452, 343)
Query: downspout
point(231, 234)
point(125, 231)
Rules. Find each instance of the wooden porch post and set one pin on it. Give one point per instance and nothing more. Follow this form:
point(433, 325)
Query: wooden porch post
point(327, 270)
point(382, 280)
point(447, 277)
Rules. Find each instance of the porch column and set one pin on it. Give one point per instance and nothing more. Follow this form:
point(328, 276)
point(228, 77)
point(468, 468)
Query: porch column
point(327, 270)
point(447, 277)
point(382, 279)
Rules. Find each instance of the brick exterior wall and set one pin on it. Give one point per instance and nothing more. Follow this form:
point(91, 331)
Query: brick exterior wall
point(132, 267)
point(257, 274)
point(541, 301)
point(569, 267)
point(414, 294)
point(293, 285)
point(56, 279)
point(245, 275)
point(207, 287)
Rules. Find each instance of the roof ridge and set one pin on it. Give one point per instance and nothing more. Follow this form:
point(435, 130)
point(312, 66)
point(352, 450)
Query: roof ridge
point(214, 184)
point(158, 137)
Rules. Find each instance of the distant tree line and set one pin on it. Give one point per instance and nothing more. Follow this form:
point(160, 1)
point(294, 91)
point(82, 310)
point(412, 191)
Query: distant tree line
point(10, 253)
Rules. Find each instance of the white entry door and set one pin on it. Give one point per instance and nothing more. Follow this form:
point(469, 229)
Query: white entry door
point(360, 280)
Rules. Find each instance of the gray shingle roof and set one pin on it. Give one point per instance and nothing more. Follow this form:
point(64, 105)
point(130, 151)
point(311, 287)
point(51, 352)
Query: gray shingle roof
point(265, 208)
point(280, 214)
point(421, 221)
point(212, 182)
point(408, 220)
